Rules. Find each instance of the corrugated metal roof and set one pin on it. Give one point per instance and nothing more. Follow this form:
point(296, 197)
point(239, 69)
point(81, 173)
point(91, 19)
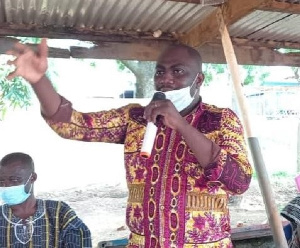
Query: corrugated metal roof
point(137, 29)
point(112, 15)
point(137, 17)
point(267, 25)
point(289, 1)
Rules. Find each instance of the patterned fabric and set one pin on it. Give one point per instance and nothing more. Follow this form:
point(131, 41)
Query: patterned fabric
point(173, 201)
point(292, 213)
point(55, 225)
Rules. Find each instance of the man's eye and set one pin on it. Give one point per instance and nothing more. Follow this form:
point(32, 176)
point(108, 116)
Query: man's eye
point(159, 73)
point(14, 181)
point(178, 71)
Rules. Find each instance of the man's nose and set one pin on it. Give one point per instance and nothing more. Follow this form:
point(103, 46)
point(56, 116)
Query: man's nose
point(6, 184)
point(167, 78)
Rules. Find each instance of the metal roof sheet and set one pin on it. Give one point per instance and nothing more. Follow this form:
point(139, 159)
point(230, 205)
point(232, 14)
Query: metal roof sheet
point(112, 15)
point(289, 1)
point(138, 29)
point(267, 25)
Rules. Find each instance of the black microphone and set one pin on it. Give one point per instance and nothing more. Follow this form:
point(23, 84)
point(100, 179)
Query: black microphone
point(151, 130)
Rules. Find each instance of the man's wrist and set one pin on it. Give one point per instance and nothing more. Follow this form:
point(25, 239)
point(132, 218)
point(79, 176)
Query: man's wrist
point(39, 80)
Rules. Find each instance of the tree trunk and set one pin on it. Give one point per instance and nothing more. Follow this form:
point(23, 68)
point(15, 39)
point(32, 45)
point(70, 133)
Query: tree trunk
point(144, 72)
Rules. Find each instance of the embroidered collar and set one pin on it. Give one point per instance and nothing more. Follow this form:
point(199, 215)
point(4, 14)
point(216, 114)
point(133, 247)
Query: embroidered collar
point(39, 213)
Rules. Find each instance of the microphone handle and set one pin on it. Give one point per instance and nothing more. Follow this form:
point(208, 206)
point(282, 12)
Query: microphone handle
point(151, 130)
point(149, 138)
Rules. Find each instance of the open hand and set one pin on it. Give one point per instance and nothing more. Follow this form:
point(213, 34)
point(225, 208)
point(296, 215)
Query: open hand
point(29, 64)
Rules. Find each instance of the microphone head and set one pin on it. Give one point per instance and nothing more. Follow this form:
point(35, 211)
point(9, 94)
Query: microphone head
point(159, 96)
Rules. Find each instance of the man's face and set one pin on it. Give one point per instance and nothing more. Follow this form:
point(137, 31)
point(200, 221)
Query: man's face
point(175, 69)
point(13, 174)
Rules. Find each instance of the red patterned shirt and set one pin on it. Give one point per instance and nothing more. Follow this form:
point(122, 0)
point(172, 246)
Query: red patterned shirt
point(173, 201)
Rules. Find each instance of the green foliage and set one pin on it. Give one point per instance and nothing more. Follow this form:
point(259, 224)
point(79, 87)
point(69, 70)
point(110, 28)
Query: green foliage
point(280, 174)
point(29, 40)
point(121, 66)
point(254, 175)
point(93, 64)
point(250, 75)
point(296, 71)
point(254, 74)
point(274, 175)
point(13, 94)
point(211, 70)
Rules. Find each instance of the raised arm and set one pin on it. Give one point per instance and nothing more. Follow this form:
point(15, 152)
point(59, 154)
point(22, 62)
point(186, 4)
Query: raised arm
point(32, 66)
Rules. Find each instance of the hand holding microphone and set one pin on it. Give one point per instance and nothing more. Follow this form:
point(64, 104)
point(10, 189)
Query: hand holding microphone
point(151, 130)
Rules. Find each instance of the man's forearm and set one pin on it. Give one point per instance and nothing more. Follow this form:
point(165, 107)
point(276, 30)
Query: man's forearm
point(48, 97)
point(205, 150)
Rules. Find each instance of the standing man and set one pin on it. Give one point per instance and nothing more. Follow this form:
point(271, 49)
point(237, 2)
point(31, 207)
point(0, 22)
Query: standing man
point(27, 222)
point(179, 196)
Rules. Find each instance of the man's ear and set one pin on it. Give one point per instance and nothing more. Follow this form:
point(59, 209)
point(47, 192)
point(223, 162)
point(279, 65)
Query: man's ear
point(33, 177)
point(200, 79)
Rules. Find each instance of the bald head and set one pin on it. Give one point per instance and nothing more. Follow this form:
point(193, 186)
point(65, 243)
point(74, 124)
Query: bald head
point(20, 157)
point(192, 53)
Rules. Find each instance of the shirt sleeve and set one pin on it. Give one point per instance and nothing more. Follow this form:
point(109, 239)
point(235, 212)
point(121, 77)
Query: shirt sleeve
point(231, 168)
point(103, 126)
point(75, 233)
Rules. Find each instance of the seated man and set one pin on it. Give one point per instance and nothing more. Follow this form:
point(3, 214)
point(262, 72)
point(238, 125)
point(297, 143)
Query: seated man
point(29, 222)
point(291, 212)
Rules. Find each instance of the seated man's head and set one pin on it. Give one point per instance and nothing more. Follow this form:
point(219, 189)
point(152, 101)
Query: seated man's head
point(16, 178)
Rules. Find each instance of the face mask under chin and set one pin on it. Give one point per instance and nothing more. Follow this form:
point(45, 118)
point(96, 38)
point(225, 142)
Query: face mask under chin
point(181, 98)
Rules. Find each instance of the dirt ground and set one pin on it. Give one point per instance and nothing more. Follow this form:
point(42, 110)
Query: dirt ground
point(102, 207)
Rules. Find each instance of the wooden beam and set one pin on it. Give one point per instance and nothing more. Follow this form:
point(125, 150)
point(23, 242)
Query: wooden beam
point(143, 50)
point(260, 168)
point(7, 43)
point(210, 54)
point(204, 2)
point(213, 53)
point(30, 30)
point(233, 67)
point(283, 7)
point(251, 232)
point(298, 148)
point(148, 51)
point(232, 11)
point(266, 44)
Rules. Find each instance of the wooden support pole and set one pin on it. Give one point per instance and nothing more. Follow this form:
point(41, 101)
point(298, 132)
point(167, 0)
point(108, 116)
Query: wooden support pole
point(264, 183)
point(298, 148)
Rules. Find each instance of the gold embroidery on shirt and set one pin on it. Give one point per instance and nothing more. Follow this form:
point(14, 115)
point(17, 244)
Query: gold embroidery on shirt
point(136, 192)
point(206, 202)
point(137, 239)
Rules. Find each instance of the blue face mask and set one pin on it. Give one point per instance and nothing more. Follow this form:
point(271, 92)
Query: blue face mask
point(15, 195)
